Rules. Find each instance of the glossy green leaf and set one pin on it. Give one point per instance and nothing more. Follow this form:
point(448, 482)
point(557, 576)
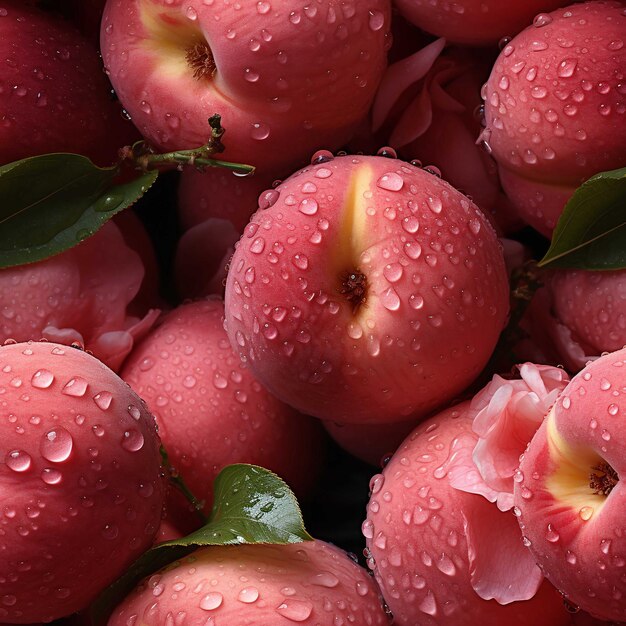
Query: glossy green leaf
point(251, 505)
point(54, 201)
point(591, 233)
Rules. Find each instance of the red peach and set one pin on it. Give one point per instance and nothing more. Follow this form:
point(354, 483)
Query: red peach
point(554, 107)
point(474, 22)
point(576, 317)
point(312, 582)
point(570, 493)
point(218, 193)
point(370, 291)
point(210, 410)
point(274, 72)
point(434, 548)
point(369, 442)
point(80, 480)
point(53, 94)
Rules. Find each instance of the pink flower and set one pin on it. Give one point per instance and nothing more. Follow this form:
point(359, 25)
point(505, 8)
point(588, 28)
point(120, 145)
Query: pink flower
point(508, 413)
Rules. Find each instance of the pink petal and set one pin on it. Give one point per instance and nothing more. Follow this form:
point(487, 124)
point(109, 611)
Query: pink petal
point(113, 347)
point(501, 567)
point(462, 471)
point(414, 121)
point(202, 256)
point(401, 75)
point(65, 336)
point(440, 97)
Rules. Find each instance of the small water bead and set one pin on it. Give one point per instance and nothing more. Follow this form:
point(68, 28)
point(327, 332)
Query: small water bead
point(132, 440)
point(295, 610)
point(42, 379)
point(300, 261)
point(586, 513)
point(410, 224)
point(75, 387)
point(103, 400)
point(56, 445)
point(325, 579)
point(211, 601)
point(322, 156)
point(263, 7)
point(18, 460)
point(551, 534)
point(134, 412)
point(308, 206)
point(538, 45)
point(567, 67)
point(542, 19)
point(391, 182)
point(260, 131)
point(248, 595)
point(51, 476)
point(393, 272)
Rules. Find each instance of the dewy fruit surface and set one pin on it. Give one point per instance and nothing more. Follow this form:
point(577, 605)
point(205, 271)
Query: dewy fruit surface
point(368, 291)
point(555, 107)
point(309, 583)
point(210, 409)
point(287, 78)
point(80, 485)
point(571, 493)
point(440, 554)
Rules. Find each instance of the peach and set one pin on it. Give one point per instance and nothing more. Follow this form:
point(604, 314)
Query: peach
point(274, 72)
point(440, 554)
point(80, 480)
point(554, 107)
point(576, 317)
point(372, 443)
point(74, 297)
point(53, 94)
point(370, 291)
point(570, 495)
point(211, 411)
point(311, 582)
point(473, 22)
point(219, 194)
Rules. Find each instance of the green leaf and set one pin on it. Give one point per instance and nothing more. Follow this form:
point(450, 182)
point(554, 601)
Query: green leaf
point(54, 201)
point(251, 505)
point(591, 233)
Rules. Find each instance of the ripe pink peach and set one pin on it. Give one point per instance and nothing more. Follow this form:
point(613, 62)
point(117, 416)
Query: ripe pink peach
point(370, 291)
point(202, 257)
point(218, 193)
point(554, 107)
point(210, 410)
point(571, 495)
point(80, 480)
point(371, 443)
point(311, 583)
point(577, 316)
point(474, 22)
point(53, 94)
point(438, 553)
point(286, 79)
point(74, 297)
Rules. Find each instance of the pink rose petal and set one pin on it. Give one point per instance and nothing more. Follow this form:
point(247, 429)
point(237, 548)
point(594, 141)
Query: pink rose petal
point(494, 545)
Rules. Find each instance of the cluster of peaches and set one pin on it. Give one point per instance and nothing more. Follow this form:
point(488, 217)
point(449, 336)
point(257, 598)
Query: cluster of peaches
point(362, 299)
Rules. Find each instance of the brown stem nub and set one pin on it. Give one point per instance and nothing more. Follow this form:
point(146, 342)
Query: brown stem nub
point(201, 61)
point(354, 287)
point(602, 479)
